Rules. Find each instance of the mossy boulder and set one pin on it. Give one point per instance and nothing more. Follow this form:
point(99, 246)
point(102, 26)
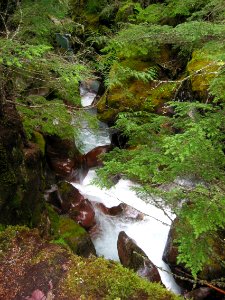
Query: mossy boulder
point(76, 237)
point(65, 231)
point(128, 93)
point(138, 95)
point(31, 266)
point(202, 70)
point(75, 205)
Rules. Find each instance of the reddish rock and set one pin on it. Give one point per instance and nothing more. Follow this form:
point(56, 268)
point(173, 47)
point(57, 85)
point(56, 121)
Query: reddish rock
point(170, 252)
point(133, 257)
point(112, 211)
point(75, 205)
point(63, 157)
point(121, 209)
point(198, 294)
point(37, 295)
point(170, 257)
point(132, 213)
point(92, 159)
point(211, 271)
point(34, 269)
point(83, 213)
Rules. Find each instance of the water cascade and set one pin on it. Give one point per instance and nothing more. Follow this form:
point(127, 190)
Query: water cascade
point(89, 138)
point(150, 232)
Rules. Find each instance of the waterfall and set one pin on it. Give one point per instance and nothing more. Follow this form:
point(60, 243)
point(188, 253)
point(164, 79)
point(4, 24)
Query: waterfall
point(150, 233)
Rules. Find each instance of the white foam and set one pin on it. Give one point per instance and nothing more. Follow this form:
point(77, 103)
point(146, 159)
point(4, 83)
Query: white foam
point(150, 234)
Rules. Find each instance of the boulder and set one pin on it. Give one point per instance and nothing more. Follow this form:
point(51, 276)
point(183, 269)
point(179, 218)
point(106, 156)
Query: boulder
point(63, 157)
point(211, 271)
point(75, 205)
point(133, 257)
point(198, 294)
point(170, 254)
point(92, 159)
point(131, 213)
point(90, 85)
point(133, 94)
point(121, 209)
point(34, 269)
point(76, 237)
point(63, 230)
point(112, 211)
point(202, 70)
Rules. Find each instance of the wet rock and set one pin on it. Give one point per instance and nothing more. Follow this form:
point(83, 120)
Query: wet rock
point(170, 254)
point(63, 157)
point(112, 211)
point(121, 210)
point(133, 257)
point(198, 294)
point(75, 205)
point(76, 237)
point(211, 271)
point(132, 213)
point(91, 85)
point(92, 159)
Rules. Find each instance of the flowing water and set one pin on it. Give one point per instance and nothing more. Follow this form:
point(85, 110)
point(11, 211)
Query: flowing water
point(150, 233)
point(91, 138)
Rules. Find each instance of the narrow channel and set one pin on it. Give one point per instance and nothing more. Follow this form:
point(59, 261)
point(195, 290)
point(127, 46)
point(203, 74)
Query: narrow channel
point(150, 232)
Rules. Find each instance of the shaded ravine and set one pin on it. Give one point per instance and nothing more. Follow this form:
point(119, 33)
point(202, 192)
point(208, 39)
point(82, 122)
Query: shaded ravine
point(150, 233)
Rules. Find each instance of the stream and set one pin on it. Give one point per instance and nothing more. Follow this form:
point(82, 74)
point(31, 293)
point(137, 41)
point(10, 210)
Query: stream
point(150, 233)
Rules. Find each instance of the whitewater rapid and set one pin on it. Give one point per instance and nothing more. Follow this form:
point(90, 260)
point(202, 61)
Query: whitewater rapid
point(150, 233)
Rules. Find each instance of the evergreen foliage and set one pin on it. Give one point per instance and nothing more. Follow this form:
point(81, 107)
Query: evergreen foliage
point(159, 156)
point(163, 151)
point(30, 63)
point(49, 117)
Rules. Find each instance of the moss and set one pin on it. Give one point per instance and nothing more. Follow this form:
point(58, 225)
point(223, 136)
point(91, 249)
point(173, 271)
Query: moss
point(70, 233)
point(7, 236)
point(138, 95)
point(16, 200)
point(65, 231)
point(54, 220)
point(103, 279)
point(133, 94)
point(202, 71)
point(39, 139)
point(65, 187)
point(160, 95)
point(138, 64)
point(37, 263)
